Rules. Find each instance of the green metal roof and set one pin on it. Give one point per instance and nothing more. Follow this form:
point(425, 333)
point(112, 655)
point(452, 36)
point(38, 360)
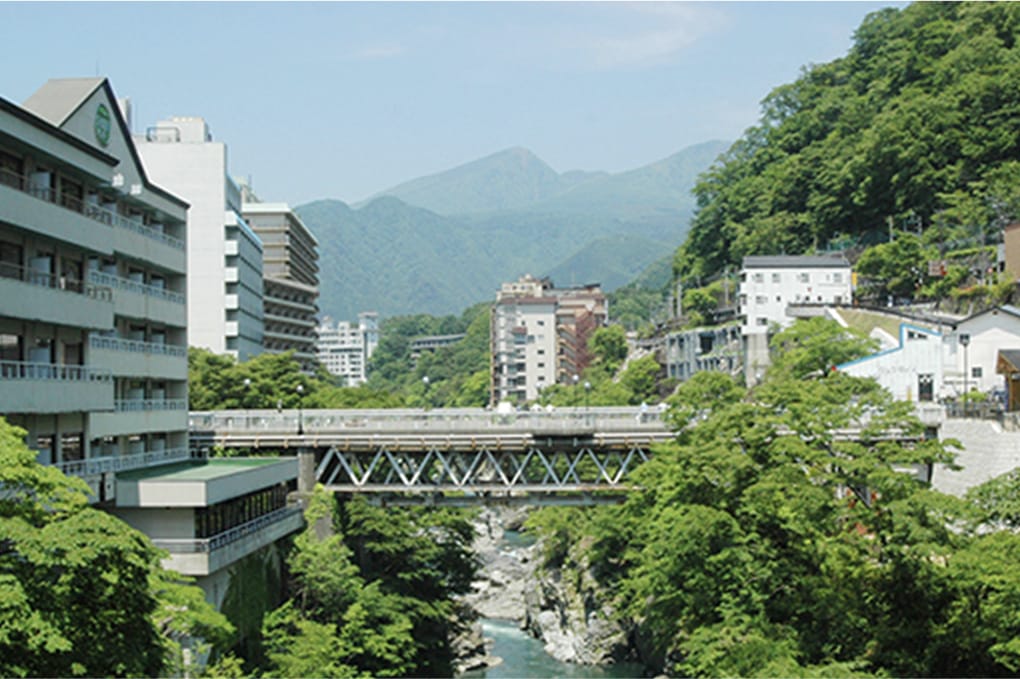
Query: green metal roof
point(200, 470)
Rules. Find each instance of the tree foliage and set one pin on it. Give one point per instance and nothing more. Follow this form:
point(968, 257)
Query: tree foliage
point(913, 124)
point(763, 544)
point(82, 593)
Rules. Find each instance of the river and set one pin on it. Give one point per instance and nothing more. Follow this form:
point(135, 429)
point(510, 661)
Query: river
point(524, 657)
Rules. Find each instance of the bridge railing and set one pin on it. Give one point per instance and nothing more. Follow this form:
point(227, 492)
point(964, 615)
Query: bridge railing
point(561, 421)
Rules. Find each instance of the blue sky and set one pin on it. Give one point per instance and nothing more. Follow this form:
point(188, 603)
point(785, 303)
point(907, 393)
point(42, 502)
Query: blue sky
point(341, 100)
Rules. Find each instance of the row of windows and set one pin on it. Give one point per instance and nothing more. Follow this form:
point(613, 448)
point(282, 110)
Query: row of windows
point(803, 277)
point(219, 518)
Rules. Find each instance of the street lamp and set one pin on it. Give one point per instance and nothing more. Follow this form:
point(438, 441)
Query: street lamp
point(965, 341)
point(300, 389)
point(425, 392)
point(587, 393)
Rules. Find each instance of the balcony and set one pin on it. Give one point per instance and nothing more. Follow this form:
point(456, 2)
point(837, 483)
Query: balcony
point(198, 557)
point(141, 416)
point(40, 210)
point(141, 300)
point(49, 388)
point(40, 296)
point(118, 463)
point(137, 358)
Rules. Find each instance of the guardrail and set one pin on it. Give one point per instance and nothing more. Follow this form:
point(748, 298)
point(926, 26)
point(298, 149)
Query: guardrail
point(208, 545)
point(136, 346)
point(119, 463)
point(450, 420)
point(76, 204)
point(44, 279)
point(20, 370)
point(129, 405)
point(128, 285)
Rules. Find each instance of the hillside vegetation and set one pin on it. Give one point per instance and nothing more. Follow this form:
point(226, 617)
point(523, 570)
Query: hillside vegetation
point(442, 243)
point(917, 124)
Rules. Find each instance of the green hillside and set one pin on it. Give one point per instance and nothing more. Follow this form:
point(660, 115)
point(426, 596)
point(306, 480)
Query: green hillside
point(917, 124)
point(395, 258)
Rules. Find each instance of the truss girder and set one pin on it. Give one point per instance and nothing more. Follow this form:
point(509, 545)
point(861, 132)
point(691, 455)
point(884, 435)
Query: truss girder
point(583, 467)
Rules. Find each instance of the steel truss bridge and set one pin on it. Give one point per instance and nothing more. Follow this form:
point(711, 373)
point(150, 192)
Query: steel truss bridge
point(450, 456)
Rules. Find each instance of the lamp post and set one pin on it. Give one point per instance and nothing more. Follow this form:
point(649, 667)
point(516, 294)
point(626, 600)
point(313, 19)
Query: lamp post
point(425, 392)
point(965, 341)
point(300, 389)
point(587, 393)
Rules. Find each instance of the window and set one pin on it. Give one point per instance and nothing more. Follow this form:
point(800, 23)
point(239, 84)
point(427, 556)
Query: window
point(758, 278)
point(761, 299)
point(776, 278)
point(976, 371)
point(10, 347)
point(763, 321)
point(925, 387)
point(804, 278)
point(837, 278)
point(10, 260)
point(779, 298)
point(70, 446)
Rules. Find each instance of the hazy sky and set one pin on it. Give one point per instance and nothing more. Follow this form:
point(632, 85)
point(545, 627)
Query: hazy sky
point(341, 100)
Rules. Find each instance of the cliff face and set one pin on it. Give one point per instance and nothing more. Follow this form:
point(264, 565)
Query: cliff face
point(572, 613)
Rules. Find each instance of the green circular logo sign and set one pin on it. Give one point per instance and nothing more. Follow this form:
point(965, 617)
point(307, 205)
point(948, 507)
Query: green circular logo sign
point(102, 125)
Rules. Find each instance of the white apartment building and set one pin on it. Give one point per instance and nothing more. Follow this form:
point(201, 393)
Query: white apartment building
point(345, 348)
point(225, 310)
point(93, 338)
point(290, 280)
point(540, 336)
point(769, 284)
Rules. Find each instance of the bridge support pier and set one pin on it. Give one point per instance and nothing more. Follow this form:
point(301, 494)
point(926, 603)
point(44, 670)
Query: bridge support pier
point(306, 471)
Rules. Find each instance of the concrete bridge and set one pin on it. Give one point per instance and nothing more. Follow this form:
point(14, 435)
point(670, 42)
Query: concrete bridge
point(450, 456)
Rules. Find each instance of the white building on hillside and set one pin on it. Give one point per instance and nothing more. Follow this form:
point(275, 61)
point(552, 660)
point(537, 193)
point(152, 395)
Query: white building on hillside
point(225, 311)
point(344, 348)
point(972, 349)
point(769, 284)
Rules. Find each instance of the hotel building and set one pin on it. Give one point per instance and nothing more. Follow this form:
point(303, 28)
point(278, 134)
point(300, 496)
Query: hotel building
point(224, 255)
point(93, 338)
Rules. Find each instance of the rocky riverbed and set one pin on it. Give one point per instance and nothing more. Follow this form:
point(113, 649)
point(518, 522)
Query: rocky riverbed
point(568, 617)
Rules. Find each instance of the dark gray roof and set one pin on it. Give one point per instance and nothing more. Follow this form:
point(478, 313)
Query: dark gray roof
point(794, 261)
point(1007, 308)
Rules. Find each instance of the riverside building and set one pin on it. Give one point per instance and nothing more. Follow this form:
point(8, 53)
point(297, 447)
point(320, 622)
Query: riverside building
point(344, 348)
point(290, 279)
point(225, 306)
point(93, 335)
point(540, 336)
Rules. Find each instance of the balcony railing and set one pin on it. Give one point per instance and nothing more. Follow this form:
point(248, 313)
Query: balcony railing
point(120, 463)
point(20, 370)
point(149, 404)
point(137, 346)
point(76, 204)
point(118, 283)
point(47, 280)
point(207, 545)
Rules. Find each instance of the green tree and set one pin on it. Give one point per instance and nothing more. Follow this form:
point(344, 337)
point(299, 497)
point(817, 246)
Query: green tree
point(82, 593)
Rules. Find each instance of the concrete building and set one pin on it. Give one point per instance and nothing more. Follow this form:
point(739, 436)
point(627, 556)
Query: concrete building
point(910, 371)
point(716, 348)
point(768, 284)
point(290, 278)
point(224, 255)
point(93, 339)
point(540, 336)
point(344, 348)
point(973, 346)
point(93, 318)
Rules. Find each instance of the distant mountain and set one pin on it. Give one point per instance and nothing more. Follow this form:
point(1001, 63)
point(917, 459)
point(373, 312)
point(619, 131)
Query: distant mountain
point(493, 220)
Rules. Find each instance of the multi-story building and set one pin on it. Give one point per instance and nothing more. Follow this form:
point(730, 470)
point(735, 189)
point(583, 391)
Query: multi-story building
point(290, 279)
point(224, 255)
point(769, 284)
point(93, 338)
point(344, 348)
point(710, 348)
point(540, 336)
